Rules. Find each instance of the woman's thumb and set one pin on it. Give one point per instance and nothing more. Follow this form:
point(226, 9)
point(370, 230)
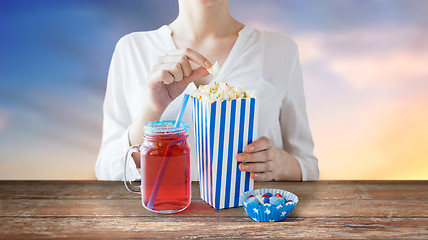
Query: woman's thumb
point(196, 74)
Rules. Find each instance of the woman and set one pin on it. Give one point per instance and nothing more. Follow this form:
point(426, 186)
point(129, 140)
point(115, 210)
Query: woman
point(150, 71)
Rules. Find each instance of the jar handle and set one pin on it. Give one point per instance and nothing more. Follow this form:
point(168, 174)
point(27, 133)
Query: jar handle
point(128, 184)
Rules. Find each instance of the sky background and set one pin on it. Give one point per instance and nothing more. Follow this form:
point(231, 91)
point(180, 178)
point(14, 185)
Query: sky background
point(365, 67)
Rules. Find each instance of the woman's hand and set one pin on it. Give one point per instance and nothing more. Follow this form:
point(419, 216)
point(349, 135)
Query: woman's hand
point(171, 74)
point(267, 162)
point(168, 78)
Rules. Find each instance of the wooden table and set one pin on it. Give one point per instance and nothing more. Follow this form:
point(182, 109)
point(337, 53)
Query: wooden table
point(326, 209)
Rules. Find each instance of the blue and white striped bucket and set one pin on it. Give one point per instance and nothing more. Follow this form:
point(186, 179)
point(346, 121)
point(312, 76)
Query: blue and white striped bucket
point(222, 130)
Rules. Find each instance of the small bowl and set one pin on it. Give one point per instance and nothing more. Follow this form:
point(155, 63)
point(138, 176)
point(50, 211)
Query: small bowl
point(267, 212)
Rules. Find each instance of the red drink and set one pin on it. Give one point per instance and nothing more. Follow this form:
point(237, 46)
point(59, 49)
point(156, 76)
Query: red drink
point(174, 189)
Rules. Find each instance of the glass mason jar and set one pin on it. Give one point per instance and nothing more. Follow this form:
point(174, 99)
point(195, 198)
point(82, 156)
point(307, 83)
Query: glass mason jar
point(165, 167)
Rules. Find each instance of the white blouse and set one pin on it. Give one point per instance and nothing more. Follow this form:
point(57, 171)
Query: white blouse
point(262, 61)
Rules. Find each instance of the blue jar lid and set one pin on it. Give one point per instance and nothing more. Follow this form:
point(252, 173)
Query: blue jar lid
point(165, 126)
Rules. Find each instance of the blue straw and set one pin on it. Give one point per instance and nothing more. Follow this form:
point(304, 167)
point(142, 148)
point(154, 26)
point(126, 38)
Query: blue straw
point(166, 157)
point(182, 108)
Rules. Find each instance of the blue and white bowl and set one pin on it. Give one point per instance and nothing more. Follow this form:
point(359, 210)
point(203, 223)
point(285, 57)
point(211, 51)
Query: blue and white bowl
point(267, 212)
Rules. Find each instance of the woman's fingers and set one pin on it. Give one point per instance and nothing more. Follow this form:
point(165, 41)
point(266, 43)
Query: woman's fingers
point(256, 167)
point(258, 151)
point(262, 176)
point(259, 145)
point(259, 159)
point(173, 69)
point(168, 73)
point(196, 57)
point(261, 156)
point(171, 74)
point(185, 66)
point(165, 77)
point(178, 65)
point(176, 58)
point(176, 71)
point(196, 74)
point(190, 54)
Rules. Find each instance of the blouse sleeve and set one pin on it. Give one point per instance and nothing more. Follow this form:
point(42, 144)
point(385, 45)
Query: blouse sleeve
point(116, 122)
point(297, 138)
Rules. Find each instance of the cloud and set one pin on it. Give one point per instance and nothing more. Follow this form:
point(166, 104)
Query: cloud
point(73, 117)
point(48, 160)
point(310, 48)
point(383, 140)
point(374, 57)
point(3, 121)
point(401, 136)
point(392, 69)
point(366, 101)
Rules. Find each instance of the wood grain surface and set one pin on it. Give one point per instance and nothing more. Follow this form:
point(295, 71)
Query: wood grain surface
point(326, 209)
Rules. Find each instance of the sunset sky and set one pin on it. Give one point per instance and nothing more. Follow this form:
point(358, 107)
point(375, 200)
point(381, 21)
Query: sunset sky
point(365, 67)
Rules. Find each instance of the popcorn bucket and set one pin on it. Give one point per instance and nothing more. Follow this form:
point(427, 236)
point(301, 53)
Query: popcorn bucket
point(222, 130)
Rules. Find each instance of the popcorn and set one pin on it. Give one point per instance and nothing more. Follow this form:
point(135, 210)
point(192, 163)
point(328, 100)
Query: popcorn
point(221, 91)
point(214, 69)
